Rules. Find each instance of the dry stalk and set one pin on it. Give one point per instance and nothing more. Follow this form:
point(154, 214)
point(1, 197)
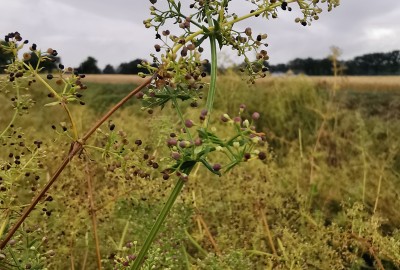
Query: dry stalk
point(209, 235)
point(266, 228)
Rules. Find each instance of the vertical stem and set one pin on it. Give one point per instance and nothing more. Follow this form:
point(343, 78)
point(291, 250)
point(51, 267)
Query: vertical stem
point(213, 81)
point(73, 125)
point(178, 110)
point(157, 225)
point(378, 193)
point(364, 176)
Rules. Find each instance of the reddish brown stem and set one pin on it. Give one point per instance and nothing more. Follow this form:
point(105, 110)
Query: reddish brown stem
point(75, 148)
point(209, 235)
point(266, 228)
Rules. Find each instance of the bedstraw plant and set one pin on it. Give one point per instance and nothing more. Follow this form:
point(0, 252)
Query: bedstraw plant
point(176, 77)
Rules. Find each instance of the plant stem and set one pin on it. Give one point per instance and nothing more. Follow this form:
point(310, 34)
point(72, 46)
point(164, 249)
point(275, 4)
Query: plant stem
point(194, 243)
point(160, 219)
point(73, 125)
point(11, 122)
point(211, 91)
point(178, 110)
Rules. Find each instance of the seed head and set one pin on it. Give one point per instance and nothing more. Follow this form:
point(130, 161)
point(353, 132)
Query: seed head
point(189, 123)
point(175, 155)
point(255, 116)
point(262, 156)
point(248, 31)
point(172, 142)
point(216, 167)
point(26, 56)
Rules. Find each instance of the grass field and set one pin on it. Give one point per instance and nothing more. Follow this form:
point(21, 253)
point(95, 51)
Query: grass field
point(326, 198)
point(362, 83)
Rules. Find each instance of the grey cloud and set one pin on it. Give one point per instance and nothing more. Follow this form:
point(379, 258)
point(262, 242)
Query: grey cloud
point(112, 31)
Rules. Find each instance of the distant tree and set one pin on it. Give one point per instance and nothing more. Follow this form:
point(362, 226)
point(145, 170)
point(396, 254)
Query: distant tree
point(5, 58)
point(131, 67)
point(207, 67)
point(279, 68)
point(375, 64)
point(89, 66)
point(109, 69)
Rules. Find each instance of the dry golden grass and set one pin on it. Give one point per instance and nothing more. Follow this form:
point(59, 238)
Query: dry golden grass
point(114, 78)
point(360, 83)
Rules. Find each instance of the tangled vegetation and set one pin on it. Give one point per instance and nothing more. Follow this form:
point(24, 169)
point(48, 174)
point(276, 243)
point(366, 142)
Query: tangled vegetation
point(282, 209)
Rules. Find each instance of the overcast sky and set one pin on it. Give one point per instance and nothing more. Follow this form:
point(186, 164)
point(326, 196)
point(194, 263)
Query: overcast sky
point(113, 32)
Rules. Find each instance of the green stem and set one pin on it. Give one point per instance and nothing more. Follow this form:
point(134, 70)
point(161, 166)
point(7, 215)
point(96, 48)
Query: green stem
point(160, 219)
point(211, 91)
point(194, 243)
point(178, 110)
point(213, 81)
point(11, 122)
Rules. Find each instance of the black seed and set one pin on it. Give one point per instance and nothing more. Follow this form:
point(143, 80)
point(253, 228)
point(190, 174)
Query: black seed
point(262, 156)
point(138, 142)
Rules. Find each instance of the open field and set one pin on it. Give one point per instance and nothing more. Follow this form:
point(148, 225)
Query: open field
point(327, 196)
point(361, 83)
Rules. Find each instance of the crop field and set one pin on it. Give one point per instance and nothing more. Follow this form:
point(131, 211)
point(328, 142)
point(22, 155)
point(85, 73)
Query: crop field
point(325, 197)
point(360, 83)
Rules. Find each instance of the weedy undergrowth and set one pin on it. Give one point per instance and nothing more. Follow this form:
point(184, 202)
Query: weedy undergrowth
point(176, 79)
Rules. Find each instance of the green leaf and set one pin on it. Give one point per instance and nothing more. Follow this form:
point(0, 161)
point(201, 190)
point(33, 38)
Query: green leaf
point(217, 33)
point(188, 164)
point(199, 41)
point(205, 30)
point(205, 151)
point(209, 167)
point(203, 134)
point(231, 166)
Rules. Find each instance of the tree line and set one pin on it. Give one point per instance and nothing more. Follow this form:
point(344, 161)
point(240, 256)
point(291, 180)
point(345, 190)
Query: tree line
point(367, 64)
